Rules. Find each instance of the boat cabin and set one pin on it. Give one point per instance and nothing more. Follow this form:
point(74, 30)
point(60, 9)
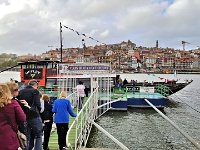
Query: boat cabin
point(38, 70)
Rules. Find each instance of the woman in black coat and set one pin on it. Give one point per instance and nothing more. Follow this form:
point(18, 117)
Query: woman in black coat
point(47, 118)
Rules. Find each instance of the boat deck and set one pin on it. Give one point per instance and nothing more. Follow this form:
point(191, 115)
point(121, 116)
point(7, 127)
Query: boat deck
point(145, 95)
point(136, 99)
point(125, 96)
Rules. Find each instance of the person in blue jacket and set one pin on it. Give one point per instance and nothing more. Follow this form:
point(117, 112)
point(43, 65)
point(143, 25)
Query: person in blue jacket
point(62, 108)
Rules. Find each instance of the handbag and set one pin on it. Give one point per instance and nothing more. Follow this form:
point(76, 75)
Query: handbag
point(21, 137)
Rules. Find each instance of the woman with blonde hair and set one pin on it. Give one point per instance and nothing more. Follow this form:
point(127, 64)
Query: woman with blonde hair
point(14, 89)
point(10, 114)
point(62, 108)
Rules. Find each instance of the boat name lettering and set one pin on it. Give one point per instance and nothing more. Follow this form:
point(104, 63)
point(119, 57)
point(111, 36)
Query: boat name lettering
point(87, 68)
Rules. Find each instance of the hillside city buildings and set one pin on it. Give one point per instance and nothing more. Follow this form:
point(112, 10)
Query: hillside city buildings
point(126, 57)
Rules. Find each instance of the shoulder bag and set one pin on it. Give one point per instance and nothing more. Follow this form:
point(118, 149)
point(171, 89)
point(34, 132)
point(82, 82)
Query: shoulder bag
point(21, 137)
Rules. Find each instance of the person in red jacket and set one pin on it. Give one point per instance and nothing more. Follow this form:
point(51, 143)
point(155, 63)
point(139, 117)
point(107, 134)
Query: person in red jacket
point(14, 89)
point(10, 113)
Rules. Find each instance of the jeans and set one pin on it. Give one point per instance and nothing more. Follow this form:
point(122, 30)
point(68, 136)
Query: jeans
point(34, 133)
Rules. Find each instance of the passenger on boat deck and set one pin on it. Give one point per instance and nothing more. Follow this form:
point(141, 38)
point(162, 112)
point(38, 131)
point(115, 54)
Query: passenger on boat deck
point(145, 83)
point(125, 82)
point(95, 84)
point(120, 83)
point(62, 108)
point(81, 94)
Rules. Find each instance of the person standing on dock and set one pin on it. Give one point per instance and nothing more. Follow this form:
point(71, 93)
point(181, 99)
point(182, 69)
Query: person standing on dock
point(62, 108)
point(34, 121)
point(81, 94)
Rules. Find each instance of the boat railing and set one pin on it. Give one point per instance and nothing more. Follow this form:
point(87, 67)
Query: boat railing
point(163, 90)
point(119, 92)
point(139, 91)
point(50, 91)
point(54, 91)
point(123, 91)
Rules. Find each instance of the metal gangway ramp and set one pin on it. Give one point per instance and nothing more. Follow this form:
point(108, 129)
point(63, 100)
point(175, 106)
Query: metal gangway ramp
point(99, 101)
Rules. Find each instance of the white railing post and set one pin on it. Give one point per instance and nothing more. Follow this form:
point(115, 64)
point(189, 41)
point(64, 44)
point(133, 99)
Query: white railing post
point(110, 136)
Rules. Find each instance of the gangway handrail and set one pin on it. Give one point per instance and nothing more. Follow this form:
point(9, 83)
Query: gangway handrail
point(76, 119)
point(110, 136)
point(70, 128)
point(194, 142)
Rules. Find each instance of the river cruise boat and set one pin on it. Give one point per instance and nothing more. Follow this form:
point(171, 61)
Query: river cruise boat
point(54, 76)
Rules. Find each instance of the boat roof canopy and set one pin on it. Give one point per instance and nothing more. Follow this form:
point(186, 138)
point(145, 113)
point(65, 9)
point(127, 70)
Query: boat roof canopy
point(41, 62)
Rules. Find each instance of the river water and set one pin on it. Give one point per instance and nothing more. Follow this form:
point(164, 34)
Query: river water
point(145, 129)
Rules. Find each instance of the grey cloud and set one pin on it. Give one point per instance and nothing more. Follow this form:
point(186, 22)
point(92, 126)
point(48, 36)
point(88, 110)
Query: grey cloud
point(34, 28)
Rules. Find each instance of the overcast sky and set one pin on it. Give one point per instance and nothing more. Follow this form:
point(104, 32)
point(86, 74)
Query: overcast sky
point(32, 26)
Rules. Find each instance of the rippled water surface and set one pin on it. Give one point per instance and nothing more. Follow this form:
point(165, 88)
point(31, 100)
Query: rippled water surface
point(145, 129)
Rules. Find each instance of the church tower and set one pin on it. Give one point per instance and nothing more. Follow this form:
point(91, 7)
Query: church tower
point(156, 43)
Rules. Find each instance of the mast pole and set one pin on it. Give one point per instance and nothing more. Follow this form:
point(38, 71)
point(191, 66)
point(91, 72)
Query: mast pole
point(61, 42)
